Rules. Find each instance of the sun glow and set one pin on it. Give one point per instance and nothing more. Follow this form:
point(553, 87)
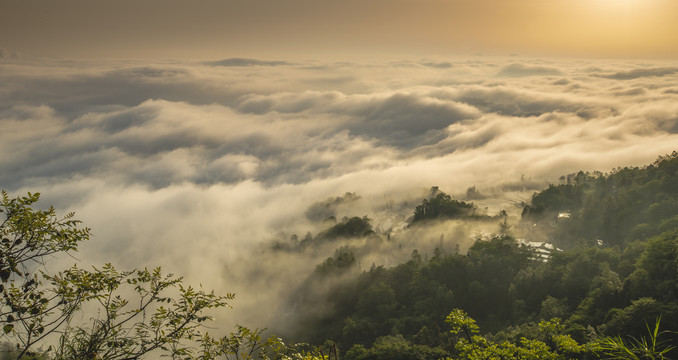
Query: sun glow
point(614, 7)
point(625, 5)
point(635, 23)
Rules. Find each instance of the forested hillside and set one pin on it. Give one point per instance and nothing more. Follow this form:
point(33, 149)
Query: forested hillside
point(627, 205)
point(608, 288)
point(615, 271)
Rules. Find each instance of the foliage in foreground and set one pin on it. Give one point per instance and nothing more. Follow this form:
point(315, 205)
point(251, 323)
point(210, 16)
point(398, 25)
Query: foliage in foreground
point(650, 347)
point(127, 314)
point(550, 344)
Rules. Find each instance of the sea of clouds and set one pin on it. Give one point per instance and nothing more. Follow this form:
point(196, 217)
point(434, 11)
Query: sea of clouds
point(197, 166)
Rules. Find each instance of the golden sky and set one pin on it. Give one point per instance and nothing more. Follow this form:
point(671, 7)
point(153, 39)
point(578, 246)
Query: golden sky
point(323, 28)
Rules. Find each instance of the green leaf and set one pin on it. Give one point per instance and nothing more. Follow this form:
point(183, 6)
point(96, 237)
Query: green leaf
point(7, 328)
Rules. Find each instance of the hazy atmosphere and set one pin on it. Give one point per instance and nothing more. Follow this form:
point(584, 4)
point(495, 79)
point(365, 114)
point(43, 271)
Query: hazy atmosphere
point(339, 29)
point(193, 135)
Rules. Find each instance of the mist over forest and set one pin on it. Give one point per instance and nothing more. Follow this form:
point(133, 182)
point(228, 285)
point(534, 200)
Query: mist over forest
point(284, 181)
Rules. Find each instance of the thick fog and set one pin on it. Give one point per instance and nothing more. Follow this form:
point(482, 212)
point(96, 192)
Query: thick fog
point(199, 167)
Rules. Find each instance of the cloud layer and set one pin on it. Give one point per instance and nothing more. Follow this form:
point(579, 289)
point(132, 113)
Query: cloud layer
point(196, 166)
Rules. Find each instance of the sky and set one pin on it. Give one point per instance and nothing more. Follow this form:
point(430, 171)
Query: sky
point(193, 135)
point(311, 29)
